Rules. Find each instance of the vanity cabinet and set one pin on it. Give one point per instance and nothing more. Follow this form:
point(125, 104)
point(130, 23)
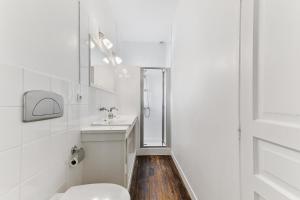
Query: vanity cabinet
point(110, 153)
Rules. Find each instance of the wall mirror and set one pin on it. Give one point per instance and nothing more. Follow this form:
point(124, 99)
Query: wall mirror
point(102, 63)
point(97, 60)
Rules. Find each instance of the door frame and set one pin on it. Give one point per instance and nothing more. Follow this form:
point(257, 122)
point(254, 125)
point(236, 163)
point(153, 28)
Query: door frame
point(165, 107)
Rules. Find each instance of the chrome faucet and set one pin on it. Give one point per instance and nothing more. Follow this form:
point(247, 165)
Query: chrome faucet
point(110, 114)
point(103, 109)
point(113, 108)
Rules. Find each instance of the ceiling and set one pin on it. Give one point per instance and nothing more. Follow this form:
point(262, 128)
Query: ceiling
point(143, 20)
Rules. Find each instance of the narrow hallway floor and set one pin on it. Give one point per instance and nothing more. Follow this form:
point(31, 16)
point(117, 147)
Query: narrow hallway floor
point(157, 178)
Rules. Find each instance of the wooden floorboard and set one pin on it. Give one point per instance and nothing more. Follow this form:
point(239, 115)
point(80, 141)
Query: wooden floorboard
point(157, 178)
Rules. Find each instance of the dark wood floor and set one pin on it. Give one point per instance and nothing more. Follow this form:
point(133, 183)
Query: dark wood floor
point(156, 178)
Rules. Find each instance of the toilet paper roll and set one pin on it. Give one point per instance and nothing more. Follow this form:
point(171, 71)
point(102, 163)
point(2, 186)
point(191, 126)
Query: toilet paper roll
point(77, 156)
point(74, 161)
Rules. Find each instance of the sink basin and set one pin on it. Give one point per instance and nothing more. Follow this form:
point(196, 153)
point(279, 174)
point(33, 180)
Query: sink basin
point(124, 120)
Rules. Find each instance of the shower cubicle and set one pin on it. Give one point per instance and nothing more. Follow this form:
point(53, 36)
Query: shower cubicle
point(155, 110)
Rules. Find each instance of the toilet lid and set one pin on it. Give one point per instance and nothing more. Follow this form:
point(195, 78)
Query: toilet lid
point(100, 191)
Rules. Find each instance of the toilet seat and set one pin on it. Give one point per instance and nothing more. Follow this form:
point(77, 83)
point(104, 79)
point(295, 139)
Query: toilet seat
point(57, 196)
point(102, 191)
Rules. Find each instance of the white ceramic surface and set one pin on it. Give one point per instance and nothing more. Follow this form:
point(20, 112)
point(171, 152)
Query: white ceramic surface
point(104, 129)
point(101, 191)
point(122, 120)
point(57, 196)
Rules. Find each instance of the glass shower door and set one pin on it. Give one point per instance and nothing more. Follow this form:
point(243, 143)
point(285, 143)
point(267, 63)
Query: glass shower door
point(153, 107)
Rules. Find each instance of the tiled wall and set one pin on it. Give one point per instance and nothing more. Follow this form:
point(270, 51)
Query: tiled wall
point(34, 156)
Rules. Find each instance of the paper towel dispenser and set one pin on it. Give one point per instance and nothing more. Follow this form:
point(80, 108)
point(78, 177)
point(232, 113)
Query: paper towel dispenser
point(42, 105)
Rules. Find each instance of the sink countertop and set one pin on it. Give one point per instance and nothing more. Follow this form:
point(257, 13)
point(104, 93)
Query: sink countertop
point(121, 120)
point(110, 131)
point(104, 129)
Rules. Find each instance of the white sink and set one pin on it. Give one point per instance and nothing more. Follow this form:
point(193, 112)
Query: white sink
point(122, 120)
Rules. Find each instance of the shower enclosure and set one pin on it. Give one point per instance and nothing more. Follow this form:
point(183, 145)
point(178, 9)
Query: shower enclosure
point(155, 107)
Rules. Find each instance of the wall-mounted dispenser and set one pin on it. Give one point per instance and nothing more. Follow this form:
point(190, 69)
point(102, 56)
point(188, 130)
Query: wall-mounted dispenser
point(41, 105)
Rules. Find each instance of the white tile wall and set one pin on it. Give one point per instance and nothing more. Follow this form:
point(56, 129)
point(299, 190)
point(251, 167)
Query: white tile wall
point(60, 151)
point(60, 124)
point(84, 90)
point(35, 130)
point(9, 169)
point(74, 117)
point(58, 181)
point(11, 130)
point(37, 188)
point(14, 194)
point(34, 156)
point(35, 81)
point(13, 77)
point(74, 90)
point(74, 175)
point(61, 87)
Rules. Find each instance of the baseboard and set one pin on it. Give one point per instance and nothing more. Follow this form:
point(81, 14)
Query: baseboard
point(184, 179)
point(153, 151)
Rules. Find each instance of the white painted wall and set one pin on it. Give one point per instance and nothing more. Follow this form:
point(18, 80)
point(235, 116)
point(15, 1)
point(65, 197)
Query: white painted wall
point(41, 35)
point(143, 20)
point(101, 18)
point(39, 50)
point(205, 96)
point(143, 54)
point(128, 90)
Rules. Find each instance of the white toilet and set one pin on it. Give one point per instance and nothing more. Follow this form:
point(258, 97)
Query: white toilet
point(102, 191)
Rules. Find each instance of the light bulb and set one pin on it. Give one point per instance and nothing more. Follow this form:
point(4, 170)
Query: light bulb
point(108, 44)
point(105, 60)
point(118, 60)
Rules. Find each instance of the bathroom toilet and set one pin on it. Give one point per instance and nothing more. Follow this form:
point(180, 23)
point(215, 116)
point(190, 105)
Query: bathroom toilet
point(102, 191)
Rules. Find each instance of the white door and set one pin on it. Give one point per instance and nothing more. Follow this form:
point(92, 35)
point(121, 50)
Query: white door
point(270, 99)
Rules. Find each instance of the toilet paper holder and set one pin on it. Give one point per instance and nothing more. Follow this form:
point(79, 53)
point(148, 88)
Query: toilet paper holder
point(77, 155)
